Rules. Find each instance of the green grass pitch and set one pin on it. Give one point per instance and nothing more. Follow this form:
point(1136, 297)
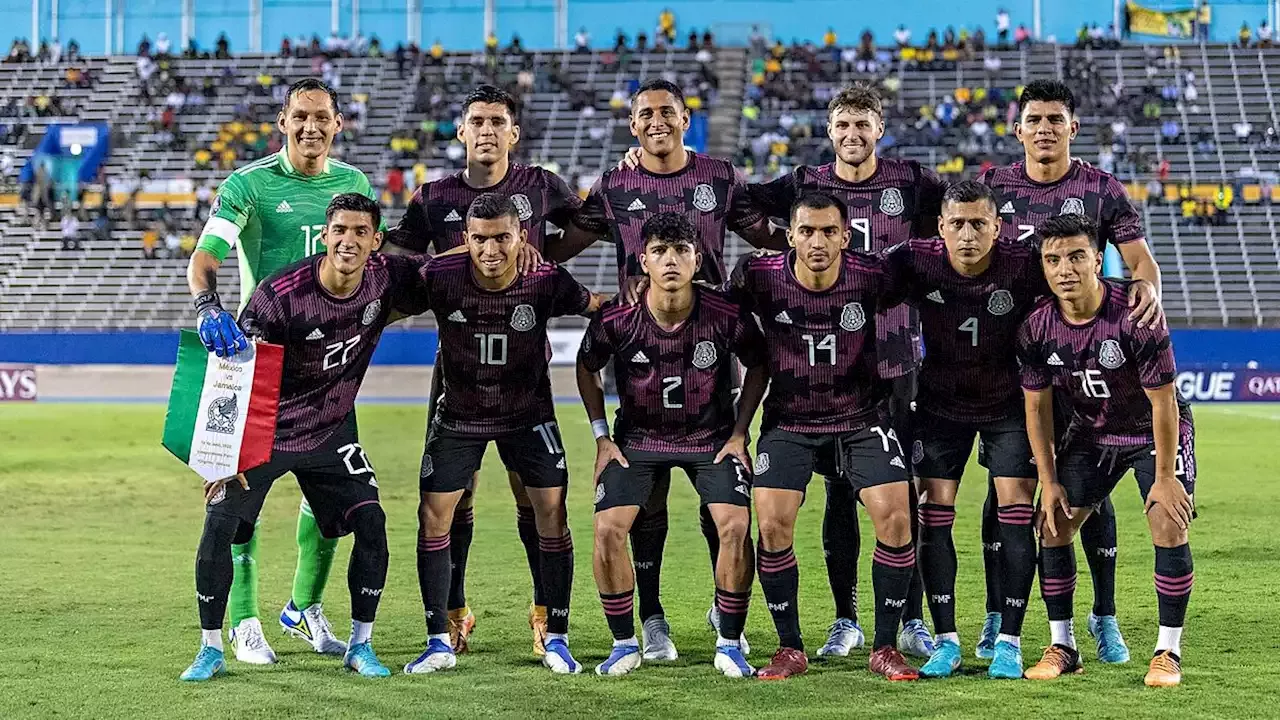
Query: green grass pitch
point(98, 617)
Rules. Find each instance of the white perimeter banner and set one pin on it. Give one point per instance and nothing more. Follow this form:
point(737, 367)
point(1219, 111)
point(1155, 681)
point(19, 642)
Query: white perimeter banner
point(564, 345)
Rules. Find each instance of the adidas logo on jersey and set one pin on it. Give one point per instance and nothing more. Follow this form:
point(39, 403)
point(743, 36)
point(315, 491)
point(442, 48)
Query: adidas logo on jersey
point(457, 316)
point(935, 296)
point(316, 335)
point(283, 207)
point(560, 463)
point(783, 318)
point(636, 205)
point(639, 357)
point(1054, 360)
point(1007, 208)
point(742, 488)
point(897, 462)
point(453, 216)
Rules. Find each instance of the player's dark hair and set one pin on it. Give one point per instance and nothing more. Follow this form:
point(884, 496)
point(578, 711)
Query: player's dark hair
point(969, 191)
point(490, 94)
point(660, 85)
point(354, 202)
point(309, 84)
point(820, 201)
point(491, 206)
point(669, 227)
point(1047, 91)
point(856, 98)
point(1066, 226)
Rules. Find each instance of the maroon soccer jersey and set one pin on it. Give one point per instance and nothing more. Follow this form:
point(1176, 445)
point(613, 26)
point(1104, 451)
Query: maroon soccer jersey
point(675, 386)
point(901, 200)
point(708, 191)
point(821, 345)
point(1024, 203)
point(493, 344)
point(328, 341)
point(437, 213)
point(970, 370)
point(1104, 365)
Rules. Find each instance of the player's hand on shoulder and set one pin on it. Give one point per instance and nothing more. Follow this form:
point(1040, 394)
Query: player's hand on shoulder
point(217, 327)
point(1145, 301)
point(607, 451)
point(528, 259)
point(631, 159)
point(633, 289)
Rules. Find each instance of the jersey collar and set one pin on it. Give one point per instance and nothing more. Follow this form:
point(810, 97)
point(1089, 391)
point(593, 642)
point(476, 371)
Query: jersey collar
point(283, 154)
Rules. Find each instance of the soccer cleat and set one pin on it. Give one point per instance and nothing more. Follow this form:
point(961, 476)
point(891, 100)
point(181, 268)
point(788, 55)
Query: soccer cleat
point(657, 640)
point(211, 661)
point(987, 642)
point(1057, 660)
point(786, 662)
point(438, 656)
point(843, 636)
point(713, 619)
point(538, 623)
point(559, 659)
point(1006, 662)
point(944, 661)
point(361, 658)
point(888, 661)
point(461, 623)
point(311, 625)
point(731, 662)
point(622, 660)
point(1111, 645)
point(250, 644)
point(915, 639)
point(1165, 670)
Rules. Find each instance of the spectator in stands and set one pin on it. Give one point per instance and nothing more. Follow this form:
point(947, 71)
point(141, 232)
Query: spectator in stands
point(1222, 203)
point(204, 196)
point(1169, 130)
point(1021, 36)
point(902, 36)
point(1002, 27)
point(144, 46)
point(582, 41)
point(172, 244)
point(866, 57)
point(667, 25)
point(162, 45)
point(1244, 35)
point(150, 241)
point(395, 186)
point(642, 42)
point(70, 231)
point(1243, 131)
point(1155, 192)
point(222, 50)
point(829, 38)
point(1163, 170)
point(1204, 19)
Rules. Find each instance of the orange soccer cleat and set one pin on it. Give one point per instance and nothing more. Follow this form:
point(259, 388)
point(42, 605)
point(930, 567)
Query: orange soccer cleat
point(1165, 671)
point(538, 623)
point(1057, 660)
point(461, 623)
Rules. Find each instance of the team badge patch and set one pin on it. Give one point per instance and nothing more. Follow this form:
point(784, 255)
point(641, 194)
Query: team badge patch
point(223, 413)
point(218, 495)
point(1110, 356)
point(852, 318)
point(371, 312)
point(704, 198)
point(216, 206)
point(586, 343)
point(891, 202)
point(1000, 303)
point(599, 492)
point(428, 468)
point(523, 207)
point(523, 318)
point(1072, 206)
point(704, 355)
point(917, 452)
point(762, 463)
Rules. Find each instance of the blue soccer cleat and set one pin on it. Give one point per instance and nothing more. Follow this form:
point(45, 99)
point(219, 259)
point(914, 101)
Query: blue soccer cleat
point(843, 636)
point(1007, 663)
point(1111, 645)
point(361, 658)
point(312, 626)
point(713, 619)
point(944, 661)
point(915, 639)
point(732, 663)
point(438, 656)
point(208, 663)
point(559, 659)
point(622, 660)
point(987, 642)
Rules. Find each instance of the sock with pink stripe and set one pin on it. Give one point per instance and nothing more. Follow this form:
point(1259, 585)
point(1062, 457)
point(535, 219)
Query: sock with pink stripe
point(1058, 582)
point(733, 612)
point(1174, 578)
point(891, 571)
point(433, 581)
point(938, 564)
point(1017, 564)
point(780, 578)
point(619, 613)
point(555, 560)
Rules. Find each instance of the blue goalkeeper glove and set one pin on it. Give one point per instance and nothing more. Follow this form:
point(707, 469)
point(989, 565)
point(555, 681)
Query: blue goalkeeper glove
point(218, 329)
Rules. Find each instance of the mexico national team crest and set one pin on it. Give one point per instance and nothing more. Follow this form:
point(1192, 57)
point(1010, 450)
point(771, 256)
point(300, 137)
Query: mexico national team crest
point(917, 452)
point(704, 198)
point(1000, 302)
point(371, 312)
point(762, 463)
point(223, 413)
point(891, 202)
point(523, 318)
point(1110, 356)
point(599, 493)
point(852, 318)
point(428, 466)
point(1072, 206)
point(523, 207)
point(704, 355)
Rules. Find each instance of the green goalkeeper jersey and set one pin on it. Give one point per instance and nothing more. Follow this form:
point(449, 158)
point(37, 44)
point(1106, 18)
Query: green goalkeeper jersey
point(274, 214)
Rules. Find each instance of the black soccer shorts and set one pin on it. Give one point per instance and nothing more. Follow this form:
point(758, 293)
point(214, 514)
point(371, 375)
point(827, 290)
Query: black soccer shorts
point(724, 482)
point(335, 479)
point(1089, 472)
point(536, 454)
point(866, 458)
point(942, 447)
point(433, 403)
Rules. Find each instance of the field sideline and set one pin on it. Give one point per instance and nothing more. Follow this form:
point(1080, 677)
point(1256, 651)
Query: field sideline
point(101, 524)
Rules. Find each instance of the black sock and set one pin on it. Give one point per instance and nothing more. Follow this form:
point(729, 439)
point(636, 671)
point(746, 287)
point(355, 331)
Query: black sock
point(780, 579)
point(214, 570)
point(841, 543)
point(733, 612)
point(460, 534)
point(711, 535)
point(1174, 577)
point(648, 537)
point(556, 562)
point(1017, 564)
point(991, 547)
point(914, 609)
point(1058, 580)
point(529, 539)
point(938, 563)
point(891, 571)
point(433, 581)
point(367, 569)
point(1098, 538)
point(619, 613)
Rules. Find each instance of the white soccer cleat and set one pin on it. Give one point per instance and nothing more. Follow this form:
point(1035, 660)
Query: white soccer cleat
point(657, 640)
point(250, 644)
point(438, 656)
point(732, 663)
point(312, 626)
point(713, 619)
point(622, 660)
point(842, 637)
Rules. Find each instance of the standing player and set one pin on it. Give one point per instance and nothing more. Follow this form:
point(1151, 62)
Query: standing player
point(490, 130)
point(1125, 414)
point(493, 333)
point(328, 313)
point(274, 211)
point(1047, 183)
point(826, 411)
point(674, 352)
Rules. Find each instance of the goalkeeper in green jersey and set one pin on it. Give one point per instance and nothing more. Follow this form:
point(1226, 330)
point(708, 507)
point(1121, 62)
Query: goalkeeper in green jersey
point(273, 212)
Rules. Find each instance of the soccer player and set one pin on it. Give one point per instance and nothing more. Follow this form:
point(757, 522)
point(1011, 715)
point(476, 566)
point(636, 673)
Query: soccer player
point(826, 411)
point(1047, 183)
point(328, 312)
point(490, 130)
point(1125, 414)
point(973, 290)
point(674, 353)
point(493, 323)
point(273, 210)
point(707, 190)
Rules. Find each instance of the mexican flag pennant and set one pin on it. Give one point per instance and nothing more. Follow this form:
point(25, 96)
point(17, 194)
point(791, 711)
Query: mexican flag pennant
point(221, 418)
